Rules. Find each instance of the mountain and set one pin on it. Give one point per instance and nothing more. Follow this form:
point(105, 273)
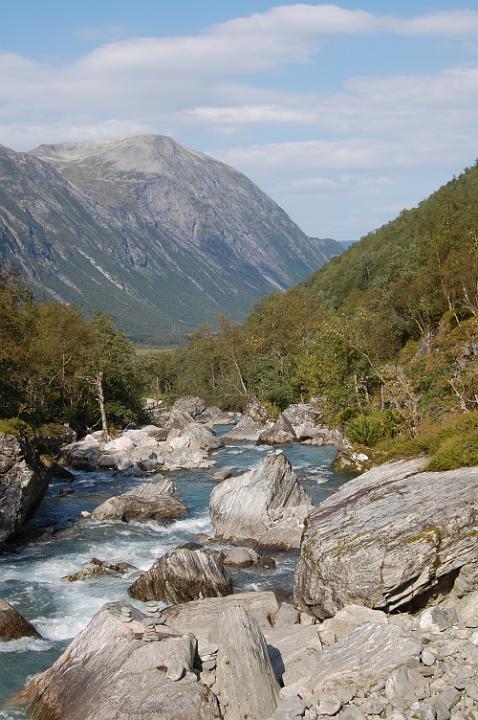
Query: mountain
point(162, 237)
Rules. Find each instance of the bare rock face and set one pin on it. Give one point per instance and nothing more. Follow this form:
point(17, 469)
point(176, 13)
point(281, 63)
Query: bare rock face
point(387, 537)
point(13, 625)
point(23, 484)
point(244, 674)
point(110, 672)
point(190, 404)
point(247, 430)
point(301, 413)
point(266, 504)
point(153, 501)
point(216, 416)
point(195, 437)
point(183, 574)
point(280, 432)
point(200, 617)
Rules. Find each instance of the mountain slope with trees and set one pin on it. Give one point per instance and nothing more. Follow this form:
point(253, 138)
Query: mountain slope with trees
point(386, 335)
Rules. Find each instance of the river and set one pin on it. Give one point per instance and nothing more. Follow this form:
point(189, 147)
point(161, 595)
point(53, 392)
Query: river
point(30, 578)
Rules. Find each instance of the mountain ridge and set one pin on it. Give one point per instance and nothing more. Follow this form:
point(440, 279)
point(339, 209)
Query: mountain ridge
point(154, 233)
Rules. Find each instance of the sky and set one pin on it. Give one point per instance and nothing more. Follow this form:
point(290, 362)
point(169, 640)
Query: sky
point(345, 114)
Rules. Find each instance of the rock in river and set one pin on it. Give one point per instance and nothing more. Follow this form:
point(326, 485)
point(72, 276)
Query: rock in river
point(266, 504)
point(153, 501)
point(110, 672)
point(13, 625)
point(183, 574)
point(388, 536)
point(23, 484)
point(280, 432)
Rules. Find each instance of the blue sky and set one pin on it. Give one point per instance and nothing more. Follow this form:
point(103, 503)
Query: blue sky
point(343, 113)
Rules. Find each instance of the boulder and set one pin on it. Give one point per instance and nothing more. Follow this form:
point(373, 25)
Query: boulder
point(266, 504)
point(100, 568)
point(183, 574)
point(216, 416)
point(178, 419)
point(247, 430)
point(110, 671)
point(200, 617)
point(369, 651)
point(23, 484)
point(153, 501)
point(387, 537)
point(195, 437)
point(244, 673)
point(240, 557)
point(280, 432)
point(222, 475)
point(13, 625)
point(256, 411)
point(190, 404)
point(82, 455)
point(301, 413)
point(295, 651)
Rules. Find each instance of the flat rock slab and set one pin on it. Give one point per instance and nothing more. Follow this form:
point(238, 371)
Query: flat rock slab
point(200, 617)
point(386, 537)
point(152, 501)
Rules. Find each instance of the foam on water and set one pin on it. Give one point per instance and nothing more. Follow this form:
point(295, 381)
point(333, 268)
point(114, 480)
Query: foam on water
point(24, 645)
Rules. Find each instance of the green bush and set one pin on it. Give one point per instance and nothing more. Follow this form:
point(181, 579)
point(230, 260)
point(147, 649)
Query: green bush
point(14, 426)
point(365, 430)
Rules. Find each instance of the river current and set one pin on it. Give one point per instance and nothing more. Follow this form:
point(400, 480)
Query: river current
point(31, 577)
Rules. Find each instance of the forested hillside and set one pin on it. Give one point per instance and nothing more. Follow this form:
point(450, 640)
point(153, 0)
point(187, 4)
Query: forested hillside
point(386, 334)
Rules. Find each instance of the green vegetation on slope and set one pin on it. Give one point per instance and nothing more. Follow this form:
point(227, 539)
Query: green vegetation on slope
point(385, 334)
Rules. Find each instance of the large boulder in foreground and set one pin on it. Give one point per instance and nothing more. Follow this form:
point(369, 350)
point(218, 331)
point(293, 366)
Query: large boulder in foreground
point(266, 504)
point(152, 501)
point(109, 672)
point(13, 625)
point(244, 674)
point(185, 573)
point(23, 484)
point(387, 537)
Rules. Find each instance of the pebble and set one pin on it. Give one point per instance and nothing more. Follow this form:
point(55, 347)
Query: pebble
point(428, 657)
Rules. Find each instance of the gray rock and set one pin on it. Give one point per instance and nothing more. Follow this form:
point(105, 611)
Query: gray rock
point(240, 557)
point(437, 619)
point(244, 672)
point(351, 617)
point(386, 537)
point(406, 686)
point(247, 430)
point(266, 504)
point(428, 657)
point(295, 652)
point(194, 437)
point(216, 416)
point(280, 432)
point(183, 574)
point(468, 610)
point(301, 413)
point(190, 404)
point(200, 617)
point(370, 650)
point(221, 475)
point(329, 705)
point(256, 411)
point(287, 615)
point(13, 625)
point(152, 501)
point(291, 709)
point(467, 580)
point(23, 484)
point(110, 653)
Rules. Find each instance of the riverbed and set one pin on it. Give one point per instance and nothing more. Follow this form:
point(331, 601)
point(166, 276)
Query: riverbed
point(31, 577)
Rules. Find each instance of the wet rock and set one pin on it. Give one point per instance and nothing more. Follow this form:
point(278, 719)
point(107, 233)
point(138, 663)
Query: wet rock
point(110, 653)
point(244, 674)
point(23, 484)
point(13, 625)
point(266, 504)
point(387, 537)
point(200, 617)
point(240, 557)
point(152, 501)
point(280, 432)
point(100, 568)
point(222, 475)
point(181, 575)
